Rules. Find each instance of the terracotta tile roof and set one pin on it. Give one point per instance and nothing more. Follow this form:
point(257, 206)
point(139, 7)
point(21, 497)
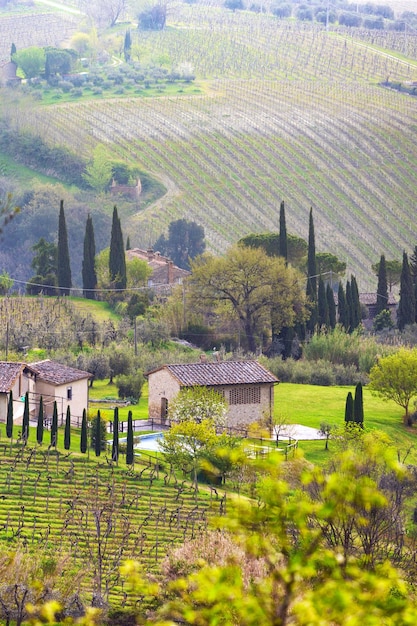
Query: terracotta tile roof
point(370, 298)
point(8, 374)
point(220, 373)
point(57, 374)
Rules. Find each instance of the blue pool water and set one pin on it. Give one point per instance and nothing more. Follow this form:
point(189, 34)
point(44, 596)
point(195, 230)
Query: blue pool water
point(149, 442)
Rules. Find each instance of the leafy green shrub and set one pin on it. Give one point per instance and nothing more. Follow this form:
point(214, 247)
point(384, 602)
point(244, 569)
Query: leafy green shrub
point(65, 85)
point(323, 374)
point(130, 385)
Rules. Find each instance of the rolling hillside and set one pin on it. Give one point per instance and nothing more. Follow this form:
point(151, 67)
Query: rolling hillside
point(282, 111)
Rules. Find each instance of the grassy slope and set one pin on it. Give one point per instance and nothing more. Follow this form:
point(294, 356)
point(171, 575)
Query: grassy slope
point(290, 112)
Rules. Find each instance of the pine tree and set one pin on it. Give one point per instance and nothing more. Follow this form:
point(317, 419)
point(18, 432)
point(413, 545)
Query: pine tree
point(117, 259)
point(283, 242)
point(331, 306)
point(83, 438)
point(349, 409)
point(382, 288)
point(322, 308)
point(356, 315)
point(406, 308)
point(311, 275)
point(54, 426)
point(25, 421)
point(342, 308)
point(88, 269)
point(129, 440)
point(67, 432)
point(39, 427)
point(115, 446)
point(9, 420)
point(63, 261)
point(358, 405)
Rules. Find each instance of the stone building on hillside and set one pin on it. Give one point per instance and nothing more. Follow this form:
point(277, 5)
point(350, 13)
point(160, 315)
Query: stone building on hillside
point(247, 386)
point(164, 273)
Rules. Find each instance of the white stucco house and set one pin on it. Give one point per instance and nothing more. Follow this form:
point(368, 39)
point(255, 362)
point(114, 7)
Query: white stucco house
point(67, 386)
point(247, 386)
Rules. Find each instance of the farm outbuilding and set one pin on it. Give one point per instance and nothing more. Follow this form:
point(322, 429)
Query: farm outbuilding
point(247, 386)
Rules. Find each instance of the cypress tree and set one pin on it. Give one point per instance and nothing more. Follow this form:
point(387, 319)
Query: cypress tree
point(358, 405)
point(323, 308)
point(25, 421)
point(63, 261)
point(9, 420)
point(406, 307)
point(356, 305)
point(39, 427)
point(349, 307)
point(97, 434)
point(127, 46)
point(88, 268)
point(83, 438)
point(382, 288)
point(283, 243)
point(331, 306)
point(117, 259)
point(129, 441)
point(349, 409)
point(115, 446)
point(342, 307)
point(128, 246)
point(67, 432)
point(54, 426)
point(311, 275)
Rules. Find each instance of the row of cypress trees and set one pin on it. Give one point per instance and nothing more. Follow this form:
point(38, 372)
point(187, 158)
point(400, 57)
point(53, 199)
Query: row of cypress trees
point(96, 435)
point(117, 260)
point(354, 413)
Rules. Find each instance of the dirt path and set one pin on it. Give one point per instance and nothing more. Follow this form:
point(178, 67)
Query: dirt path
point(62, 7)
point(171, 192)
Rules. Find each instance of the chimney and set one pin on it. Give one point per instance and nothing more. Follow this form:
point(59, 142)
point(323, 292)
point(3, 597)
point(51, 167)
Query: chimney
point(150, 254)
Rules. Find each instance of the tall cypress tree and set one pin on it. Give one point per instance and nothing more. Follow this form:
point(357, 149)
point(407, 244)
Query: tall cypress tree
point(67, 432)
point(342, 307)
point(25, 421)
point(311, 275)
point(39, 427)
point(97, 434)
point(349, 409)
point(349, 307)
point(382, 288)
point(356, 316)
point(283, 242)
point(117, 259)
point(406, 313)
point(129, 440)
point(63, 261)
point(9, 420)
point(358, 405)
point(331, 306)
point(83, 438)
point(115, 446)
point(54, 426)
point(88, 269)
point(322, 306)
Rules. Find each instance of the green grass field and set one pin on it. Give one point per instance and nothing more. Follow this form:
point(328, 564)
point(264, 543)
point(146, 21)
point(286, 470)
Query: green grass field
point(311, 405)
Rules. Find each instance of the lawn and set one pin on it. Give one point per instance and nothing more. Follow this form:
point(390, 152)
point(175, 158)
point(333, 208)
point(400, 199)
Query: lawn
point(102, 390)
point(311, 405)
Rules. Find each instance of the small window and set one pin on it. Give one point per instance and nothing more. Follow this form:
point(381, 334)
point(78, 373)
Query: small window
point(69, 393)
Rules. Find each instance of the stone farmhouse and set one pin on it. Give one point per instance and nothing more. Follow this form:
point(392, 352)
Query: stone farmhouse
point(247, 386)
point(58, 383)
point(164, 273)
